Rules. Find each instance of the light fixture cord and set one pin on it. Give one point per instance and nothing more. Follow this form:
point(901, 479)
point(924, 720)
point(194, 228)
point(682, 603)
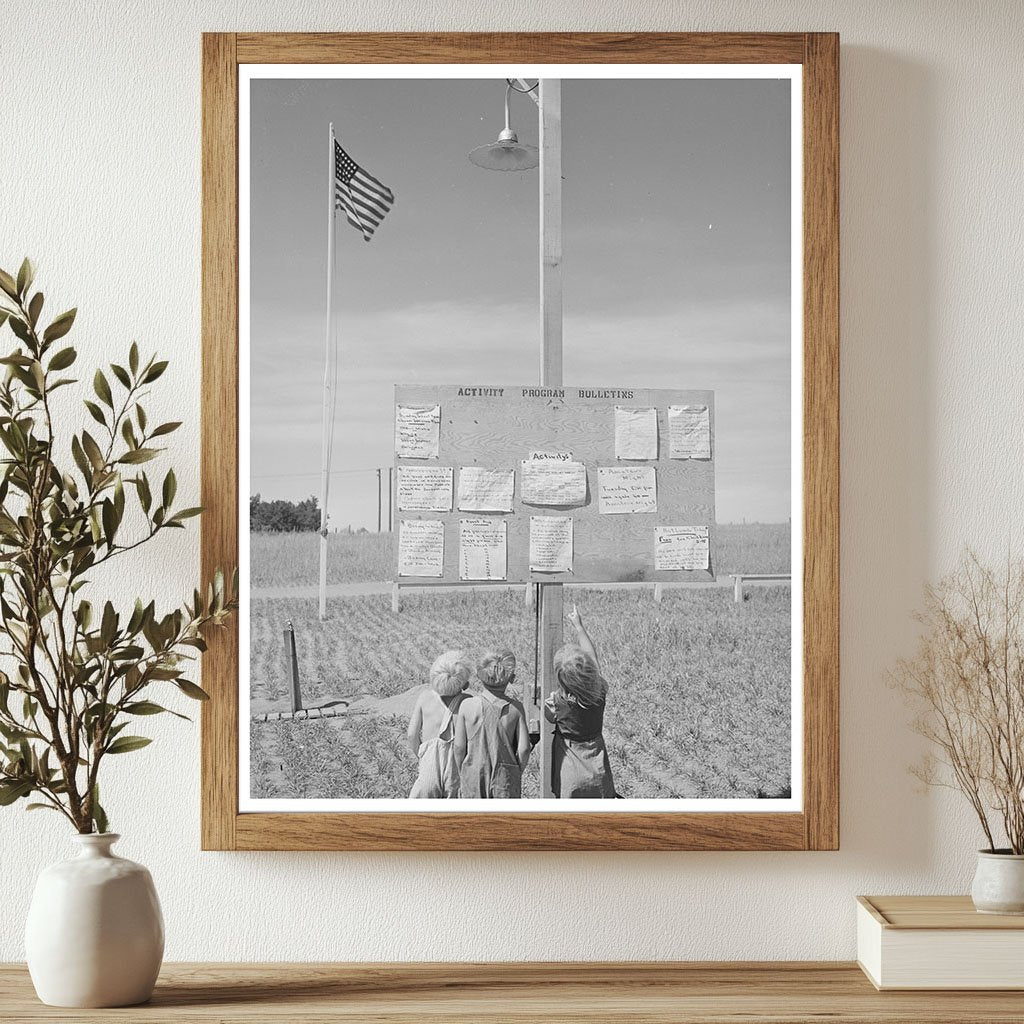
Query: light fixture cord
point(509, 87)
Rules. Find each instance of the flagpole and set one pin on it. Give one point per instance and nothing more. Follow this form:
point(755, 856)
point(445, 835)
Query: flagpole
point(328, 396)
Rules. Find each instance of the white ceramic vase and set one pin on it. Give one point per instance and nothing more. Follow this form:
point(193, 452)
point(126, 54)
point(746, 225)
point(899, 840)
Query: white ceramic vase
point(999, 883)
point(95, 934)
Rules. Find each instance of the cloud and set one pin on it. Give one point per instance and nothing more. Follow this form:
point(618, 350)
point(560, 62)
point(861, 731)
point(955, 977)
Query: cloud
point(738, 349)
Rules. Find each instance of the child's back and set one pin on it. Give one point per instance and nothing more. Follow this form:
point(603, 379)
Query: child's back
point(579, 758)
point(489, 730)
point(433, 711)
point(432, 728)
point(491, 740)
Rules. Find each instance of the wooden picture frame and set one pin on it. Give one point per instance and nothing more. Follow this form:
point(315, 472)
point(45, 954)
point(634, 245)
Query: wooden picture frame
point(816, 826)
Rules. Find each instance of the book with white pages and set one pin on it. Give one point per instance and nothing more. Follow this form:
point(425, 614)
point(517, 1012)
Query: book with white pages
point(938, 942)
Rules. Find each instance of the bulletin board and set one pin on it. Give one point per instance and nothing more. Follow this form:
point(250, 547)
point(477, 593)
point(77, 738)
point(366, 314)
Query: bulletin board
point(590, 455)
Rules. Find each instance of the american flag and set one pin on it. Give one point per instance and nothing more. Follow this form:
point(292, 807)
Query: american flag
point(363, 198)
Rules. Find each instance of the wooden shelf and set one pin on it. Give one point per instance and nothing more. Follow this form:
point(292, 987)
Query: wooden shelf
point(615, 992)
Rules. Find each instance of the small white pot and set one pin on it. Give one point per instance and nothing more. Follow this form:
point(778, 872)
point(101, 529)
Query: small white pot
point(95, 934)
point(999, 883)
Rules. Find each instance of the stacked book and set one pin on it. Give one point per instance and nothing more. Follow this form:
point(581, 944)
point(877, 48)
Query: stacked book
point(938, 942)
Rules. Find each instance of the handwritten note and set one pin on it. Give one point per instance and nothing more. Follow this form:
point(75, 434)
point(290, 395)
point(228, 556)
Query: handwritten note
point(483, 551)
point(623, 489)
point(421, 547)
point(486, 490)
point(551, 456)
point(551, 543)
point(681, 547)
point(689, 432)
point(417, 431)
point(424, 488)
point(553, 482)
point(636, 433)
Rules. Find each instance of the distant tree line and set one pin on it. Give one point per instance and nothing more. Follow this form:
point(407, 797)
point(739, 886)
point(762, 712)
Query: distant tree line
point(282, 516)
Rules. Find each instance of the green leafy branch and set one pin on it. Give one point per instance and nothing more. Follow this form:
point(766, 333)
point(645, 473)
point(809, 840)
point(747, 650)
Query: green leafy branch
point(82, 673)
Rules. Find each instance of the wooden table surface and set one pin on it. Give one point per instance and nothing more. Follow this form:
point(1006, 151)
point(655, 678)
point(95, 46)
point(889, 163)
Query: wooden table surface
point(837, 993)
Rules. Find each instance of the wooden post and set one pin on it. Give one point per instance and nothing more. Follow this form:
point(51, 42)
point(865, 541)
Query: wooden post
point(379, 506)
point(737, 588)
point(657, 593)
point(549, 621)
point(396, 602)
point(292, 668)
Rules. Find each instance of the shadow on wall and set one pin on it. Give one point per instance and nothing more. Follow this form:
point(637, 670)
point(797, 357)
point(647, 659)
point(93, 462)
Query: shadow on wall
point(887, 283)
point(751, 905)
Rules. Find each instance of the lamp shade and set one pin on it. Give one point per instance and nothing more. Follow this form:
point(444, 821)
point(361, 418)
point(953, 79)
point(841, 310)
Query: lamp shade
point(507, 154)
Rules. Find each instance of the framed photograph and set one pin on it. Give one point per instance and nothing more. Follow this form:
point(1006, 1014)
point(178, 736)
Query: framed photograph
point(521, 422)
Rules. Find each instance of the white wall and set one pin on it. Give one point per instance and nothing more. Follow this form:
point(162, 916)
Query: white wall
point(100, 182)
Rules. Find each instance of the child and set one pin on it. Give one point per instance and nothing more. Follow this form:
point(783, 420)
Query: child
point(491, 739)
point(579, 758)
point(432, 728)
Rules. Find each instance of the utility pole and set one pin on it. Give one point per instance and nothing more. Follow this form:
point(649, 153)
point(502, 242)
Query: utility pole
point(549, 620)
point(504, 155)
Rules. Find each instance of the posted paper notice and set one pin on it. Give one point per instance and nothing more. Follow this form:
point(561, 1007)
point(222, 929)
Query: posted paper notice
point(417, 431)
point(424, 488)
point(421, 547)
point(554, 483)
point(486, 490)
point(681, 547)
point(622, 489)
point(689, 432)
point(636, 433)
point(483, 550)
point(551, 543)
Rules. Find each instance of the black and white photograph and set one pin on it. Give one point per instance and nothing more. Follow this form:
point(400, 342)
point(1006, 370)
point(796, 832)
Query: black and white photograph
point(520, 438)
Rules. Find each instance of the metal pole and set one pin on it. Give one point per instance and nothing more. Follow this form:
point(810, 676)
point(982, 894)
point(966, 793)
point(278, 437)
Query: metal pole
point(391, 491)
point(378, 501)
point(550, 594)
point(328, 396)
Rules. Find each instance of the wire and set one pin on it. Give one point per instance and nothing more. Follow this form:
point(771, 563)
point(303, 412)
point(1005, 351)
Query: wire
point(334, 472)
point(516, 88)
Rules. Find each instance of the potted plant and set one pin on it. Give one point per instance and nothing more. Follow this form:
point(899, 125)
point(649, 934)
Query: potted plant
point(967, 682)
point(83, 671)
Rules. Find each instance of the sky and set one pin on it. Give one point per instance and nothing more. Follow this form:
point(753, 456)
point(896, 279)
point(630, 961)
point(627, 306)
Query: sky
point(676, 266)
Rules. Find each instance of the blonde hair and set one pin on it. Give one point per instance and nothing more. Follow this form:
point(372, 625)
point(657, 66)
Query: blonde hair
point(577, 674)
point(449, 674)
point(497, 669)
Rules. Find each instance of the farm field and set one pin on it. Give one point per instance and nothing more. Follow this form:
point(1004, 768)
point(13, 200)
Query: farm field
point(699, 696)
point(292, 559)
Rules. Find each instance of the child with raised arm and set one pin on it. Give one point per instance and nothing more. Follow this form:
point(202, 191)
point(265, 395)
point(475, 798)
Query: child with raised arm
point(579, 758)
point(491, 739)
point(431, 733)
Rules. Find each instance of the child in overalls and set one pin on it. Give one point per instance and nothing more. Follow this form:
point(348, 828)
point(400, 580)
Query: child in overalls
point(432, 728)
point(492, 743)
